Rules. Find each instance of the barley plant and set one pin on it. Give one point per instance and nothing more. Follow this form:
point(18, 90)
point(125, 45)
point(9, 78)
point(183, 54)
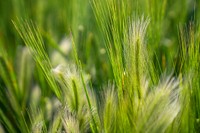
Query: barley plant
point(100, 66)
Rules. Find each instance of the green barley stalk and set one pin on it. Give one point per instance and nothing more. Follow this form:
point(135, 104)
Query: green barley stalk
point(32, 38)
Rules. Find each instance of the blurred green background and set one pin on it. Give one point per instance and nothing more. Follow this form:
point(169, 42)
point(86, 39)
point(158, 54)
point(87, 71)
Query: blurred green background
point(58, 19)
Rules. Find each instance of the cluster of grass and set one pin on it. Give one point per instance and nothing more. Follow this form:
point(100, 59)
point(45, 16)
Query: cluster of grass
point(99, 66)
